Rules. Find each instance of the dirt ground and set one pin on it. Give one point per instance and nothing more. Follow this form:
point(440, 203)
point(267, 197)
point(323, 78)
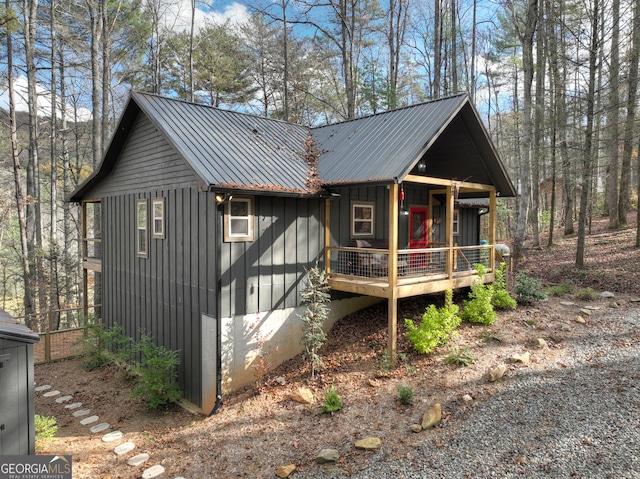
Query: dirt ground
point(259, 429)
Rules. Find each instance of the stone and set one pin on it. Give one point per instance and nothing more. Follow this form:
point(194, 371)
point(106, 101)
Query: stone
point(607, 294)
point(369, 443)
point(416, 427)
point(62, 399)
point(592, 308)
point(281, 380)
point(567, 303)
point(103, 426)
point(112, 436)
point(327, 455)
point(374, 383)
point(497, 372)
point(81, 412)
point(542, 343)
point(43, 387)
point(302, 395)
point(634, 300)
point(585, 311)
point(51, 394)
point(153, 471)
point(565, 327)
point(285, 471)
point(89, 420)
point(580, 320)
point(75, 405)
point(124, 448)
point(523, 358)
point(614, 305)
point(139, 459)
point(432, 417)
point(467, 398)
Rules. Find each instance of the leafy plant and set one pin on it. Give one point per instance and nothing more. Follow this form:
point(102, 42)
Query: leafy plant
point(405, 395)
point(46, 427)
point(94, 351)
point(156, 374)
point(315, 296)
point(561, 289)
point(479, 307)
point(528, 289)
point(437, 326)
point(385, 363)
point(460, 357)
point(586, 294)
point(501, 298)
point(332, 402)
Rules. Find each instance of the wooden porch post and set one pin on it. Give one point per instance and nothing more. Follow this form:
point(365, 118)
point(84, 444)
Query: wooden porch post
point(85, 273)
point(492, 229)
point(450, 206)
point(327, 236)
point(393, 274)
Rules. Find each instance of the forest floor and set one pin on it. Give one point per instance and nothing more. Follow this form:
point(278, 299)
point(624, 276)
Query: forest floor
point(260, 428)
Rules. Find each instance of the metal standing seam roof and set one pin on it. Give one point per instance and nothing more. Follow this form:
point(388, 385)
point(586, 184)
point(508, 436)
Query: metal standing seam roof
point(12, 330)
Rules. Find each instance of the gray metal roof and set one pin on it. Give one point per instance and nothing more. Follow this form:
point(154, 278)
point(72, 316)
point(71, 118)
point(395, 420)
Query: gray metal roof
point(13, 330)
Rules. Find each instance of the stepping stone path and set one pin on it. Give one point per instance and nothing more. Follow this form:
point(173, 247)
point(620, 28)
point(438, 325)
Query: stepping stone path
point(122, 449)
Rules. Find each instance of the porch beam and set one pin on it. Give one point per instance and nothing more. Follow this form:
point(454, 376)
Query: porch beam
point(428, 180)
point(327, 236)
point(450, 206)
point(393, 273)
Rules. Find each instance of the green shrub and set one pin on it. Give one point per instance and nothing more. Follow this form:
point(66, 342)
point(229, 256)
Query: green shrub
point(94, 339)
point(586, 294)
point(460, 357)
point(528, 289)
point(156, 374)
point(405, 395)
point(501, 298)
point(561, 289)
point(46, 427)
point(332, 402)
point(436, 327)
point(479, 307)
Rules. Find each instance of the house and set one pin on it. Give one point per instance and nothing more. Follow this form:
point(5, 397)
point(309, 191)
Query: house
point(202, 222)
point(17, 395)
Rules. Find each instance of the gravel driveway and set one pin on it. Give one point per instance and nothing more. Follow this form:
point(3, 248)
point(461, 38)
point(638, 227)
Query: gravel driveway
point(579, 418)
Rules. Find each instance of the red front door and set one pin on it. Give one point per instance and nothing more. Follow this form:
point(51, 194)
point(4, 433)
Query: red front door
point(418, 228)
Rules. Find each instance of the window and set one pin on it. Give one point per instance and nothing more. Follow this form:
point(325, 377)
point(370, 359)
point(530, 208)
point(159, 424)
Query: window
point(456, 222)
point(362, 219)
point(157, 212)
point(238, 220)
point(141, 228)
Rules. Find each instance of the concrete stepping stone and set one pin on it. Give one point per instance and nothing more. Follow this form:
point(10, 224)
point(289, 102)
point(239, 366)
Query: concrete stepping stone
point(124, 448)
point(112, 436)
point(81, 412)
point(139, 459)
point(103, 426)
point(50, 394)
point(153, 471)
point(89, 420)
point(62, 399)
point(43, 387)
point(75, 405)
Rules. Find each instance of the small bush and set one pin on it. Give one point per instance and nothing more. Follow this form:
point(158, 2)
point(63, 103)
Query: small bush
point(156, 374)
point(405, 395)
point(384, 363)
point(561, 289)
point(436, 327)
point(460, 357)
point(46, 427)
point(479, 307)
point(94, 340)
point(586, 294)
point(501, 298)
point(528, 289)
point(332, 402)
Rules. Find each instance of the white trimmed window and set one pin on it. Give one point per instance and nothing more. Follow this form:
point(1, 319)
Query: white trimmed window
point(362, 219)
point(456, 221)
point(142, 246)
point(238, 219)
point(157, 217)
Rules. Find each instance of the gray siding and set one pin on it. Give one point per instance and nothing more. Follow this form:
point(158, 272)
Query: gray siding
point(147, 162)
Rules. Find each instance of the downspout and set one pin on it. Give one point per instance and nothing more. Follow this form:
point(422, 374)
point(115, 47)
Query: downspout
point(218, 282)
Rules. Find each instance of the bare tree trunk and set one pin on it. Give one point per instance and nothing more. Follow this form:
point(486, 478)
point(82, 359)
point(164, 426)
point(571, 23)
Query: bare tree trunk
point(454, 49)
point(96, 32)
point(538, 152)
point(613, 116)
point(472, 82)
point(437, 48)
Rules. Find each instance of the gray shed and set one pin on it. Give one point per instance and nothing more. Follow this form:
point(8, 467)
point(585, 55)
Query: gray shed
point(17, 396)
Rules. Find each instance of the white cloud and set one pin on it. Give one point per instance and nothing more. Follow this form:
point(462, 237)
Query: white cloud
point(177, 14)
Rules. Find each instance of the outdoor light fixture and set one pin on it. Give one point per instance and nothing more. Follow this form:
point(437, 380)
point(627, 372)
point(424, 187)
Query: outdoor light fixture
point(223, 197)
point(403, 210)
point(422, 166)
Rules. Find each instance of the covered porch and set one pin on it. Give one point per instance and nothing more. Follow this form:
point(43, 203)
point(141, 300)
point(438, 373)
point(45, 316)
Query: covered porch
point(392, 268)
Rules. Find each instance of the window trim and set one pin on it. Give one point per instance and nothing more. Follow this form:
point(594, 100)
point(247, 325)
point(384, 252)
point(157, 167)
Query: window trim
point(230, 237)
point(354, 220)
point(140, 252)
point(456, 221)
point(157, 233)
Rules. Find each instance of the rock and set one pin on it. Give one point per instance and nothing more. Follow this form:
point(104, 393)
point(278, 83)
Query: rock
point(565, 327)
point(634, 300)
point(416, 428)
point(153, 471)
point(521, 358)
point(432, 417)
point(580, 320)
point(281, 380)
point(302, 395)
point(327, 455)
point(592, 308)
point(285, 471)
point(497, 372)
point(612, 305)
point(585, 311)
point(567, 303)
point(467, 398)
point(607, 294)
point(369, 443)
point(542, 344)
point(374, 383)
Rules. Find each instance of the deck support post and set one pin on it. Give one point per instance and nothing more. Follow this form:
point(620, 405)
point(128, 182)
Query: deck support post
point(392, 268)
point(492, 229)
point(450, 207)
point(327, 236)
